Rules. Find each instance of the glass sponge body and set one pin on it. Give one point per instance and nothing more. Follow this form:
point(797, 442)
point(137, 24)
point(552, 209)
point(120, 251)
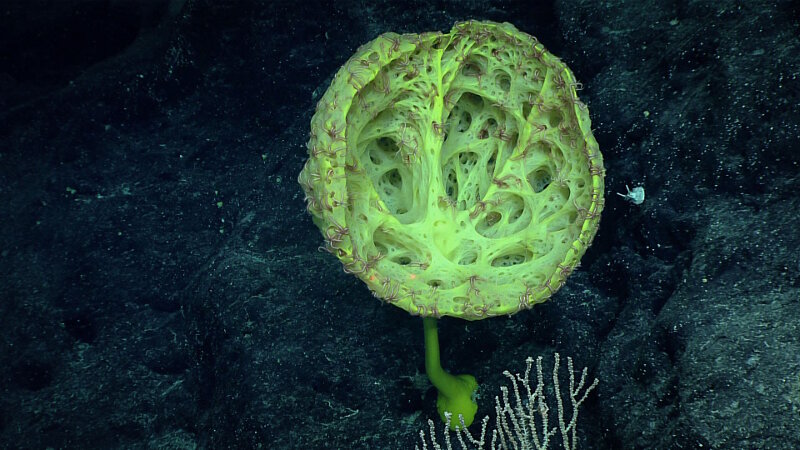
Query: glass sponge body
point(455, 173)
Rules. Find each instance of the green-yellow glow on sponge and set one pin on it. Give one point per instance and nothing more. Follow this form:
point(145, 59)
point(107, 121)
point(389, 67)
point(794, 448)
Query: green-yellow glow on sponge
point(455, 174)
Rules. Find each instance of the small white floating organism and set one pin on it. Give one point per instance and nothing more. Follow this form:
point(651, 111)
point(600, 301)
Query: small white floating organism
point(635, 196)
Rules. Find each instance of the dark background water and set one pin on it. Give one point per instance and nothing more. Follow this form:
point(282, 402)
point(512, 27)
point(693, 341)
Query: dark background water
point(161, 284)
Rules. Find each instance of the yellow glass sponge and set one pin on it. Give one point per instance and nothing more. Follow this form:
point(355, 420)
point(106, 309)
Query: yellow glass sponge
point(456, 174)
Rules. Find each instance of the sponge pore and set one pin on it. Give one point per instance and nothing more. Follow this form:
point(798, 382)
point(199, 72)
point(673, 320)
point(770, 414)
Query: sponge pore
point(455, 174)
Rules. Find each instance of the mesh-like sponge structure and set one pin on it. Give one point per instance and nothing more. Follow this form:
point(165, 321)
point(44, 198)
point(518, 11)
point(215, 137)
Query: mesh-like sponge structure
point(456, 174)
